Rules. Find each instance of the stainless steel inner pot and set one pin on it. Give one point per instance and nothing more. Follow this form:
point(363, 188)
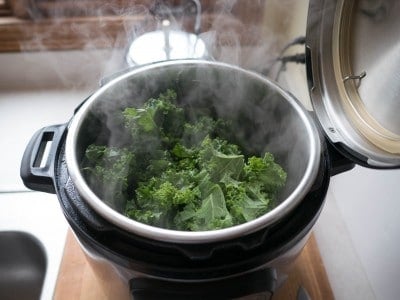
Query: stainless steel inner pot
point(269, 118)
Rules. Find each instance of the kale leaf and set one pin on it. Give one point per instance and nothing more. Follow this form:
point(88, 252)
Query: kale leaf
point(179, 174)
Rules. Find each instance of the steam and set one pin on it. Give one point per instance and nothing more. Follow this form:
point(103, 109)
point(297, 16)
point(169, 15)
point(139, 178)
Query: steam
point(234, 31)
point(263, 120)
point(243, 33)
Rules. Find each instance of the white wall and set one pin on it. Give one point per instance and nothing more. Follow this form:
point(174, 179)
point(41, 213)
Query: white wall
point(369, 202)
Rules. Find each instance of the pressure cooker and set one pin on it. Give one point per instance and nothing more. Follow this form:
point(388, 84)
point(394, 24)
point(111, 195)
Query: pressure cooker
point(343, 129)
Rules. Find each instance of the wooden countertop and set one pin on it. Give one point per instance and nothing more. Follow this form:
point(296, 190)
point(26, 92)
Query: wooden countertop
point(76, 279)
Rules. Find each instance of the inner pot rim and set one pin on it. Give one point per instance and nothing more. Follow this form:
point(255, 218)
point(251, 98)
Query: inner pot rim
point(192, 237)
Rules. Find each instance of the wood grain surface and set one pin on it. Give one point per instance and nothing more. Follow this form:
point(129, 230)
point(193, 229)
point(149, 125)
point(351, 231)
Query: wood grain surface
point(76, 279)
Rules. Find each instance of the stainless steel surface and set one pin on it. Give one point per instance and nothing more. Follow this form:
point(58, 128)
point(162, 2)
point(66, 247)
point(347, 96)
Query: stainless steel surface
point(285, 129)
point(356, 77)
point(165, 44)
point(32, 237)
point(168, 42)
point(22, 266)
point(344, 41)
point(374, 46)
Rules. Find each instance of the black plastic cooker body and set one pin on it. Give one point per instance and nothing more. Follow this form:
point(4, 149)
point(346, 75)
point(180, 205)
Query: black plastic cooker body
point(178, 269)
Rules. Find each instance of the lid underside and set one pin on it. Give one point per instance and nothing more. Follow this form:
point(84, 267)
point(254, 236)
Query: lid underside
point(355, 53)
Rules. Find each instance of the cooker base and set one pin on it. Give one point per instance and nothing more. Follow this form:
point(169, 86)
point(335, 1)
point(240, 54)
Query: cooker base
point(262, 282)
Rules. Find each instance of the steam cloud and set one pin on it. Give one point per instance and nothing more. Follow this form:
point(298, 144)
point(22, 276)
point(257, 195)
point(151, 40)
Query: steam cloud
point(245, 33)
point(235, 32)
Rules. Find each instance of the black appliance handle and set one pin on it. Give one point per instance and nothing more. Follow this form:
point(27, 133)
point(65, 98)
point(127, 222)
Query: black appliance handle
point(262, 282)
point(338, 162)
point(37, 171)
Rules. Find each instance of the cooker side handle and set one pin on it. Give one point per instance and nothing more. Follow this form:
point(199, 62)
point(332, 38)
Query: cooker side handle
point(38, 161)
point(338, 162)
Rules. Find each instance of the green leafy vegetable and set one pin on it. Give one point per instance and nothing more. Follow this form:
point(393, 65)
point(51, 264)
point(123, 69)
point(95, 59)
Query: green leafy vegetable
point(177, 173)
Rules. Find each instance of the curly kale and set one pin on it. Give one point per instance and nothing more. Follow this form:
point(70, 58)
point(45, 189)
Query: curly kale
point(179, 174)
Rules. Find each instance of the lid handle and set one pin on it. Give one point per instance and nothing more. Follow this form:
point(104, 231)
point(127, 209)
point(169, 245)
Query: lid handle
point(355, 77)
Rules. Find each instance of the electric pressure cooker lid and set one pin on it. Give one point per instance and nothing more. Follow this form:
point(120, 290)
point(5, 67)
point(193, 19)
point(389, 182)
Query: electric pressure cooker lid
point(353, 68)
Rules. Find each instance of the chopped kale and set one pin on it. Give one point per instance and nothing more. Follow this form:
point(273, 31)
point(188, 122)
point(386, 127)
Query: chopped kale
point(178, 174)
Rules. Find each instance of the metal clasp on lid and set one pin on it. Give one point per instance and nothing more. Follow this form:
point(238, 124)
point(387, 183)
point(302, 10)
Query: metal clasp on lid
point(356, 77)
